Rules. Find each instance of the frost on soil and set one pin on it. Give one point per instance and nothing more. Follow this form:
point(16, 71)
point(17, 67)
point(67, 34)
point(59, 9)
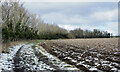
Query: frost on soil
point(55, 61)
point(30, 61)
point(6, 60)
point(85, 58)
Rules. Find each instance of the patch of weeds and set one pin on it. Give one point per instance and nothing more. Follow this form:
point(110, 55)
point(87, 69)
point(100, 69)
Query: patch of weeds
point(73, 66)
point(33, 46)
point(54, 60)
point(41, 49)
point(67, 66)
point(2, 69)
point(9, 59)
point(33, 63)
point(35, 41)
point(39, 53)
point(54, 63)
point(44, 56)
point(9, 67)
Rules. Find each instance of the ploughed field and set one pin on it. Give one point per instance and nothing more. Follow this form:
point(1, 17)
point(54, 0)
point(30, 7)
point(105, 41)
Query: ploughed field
point(87, 54)
point(30, 57)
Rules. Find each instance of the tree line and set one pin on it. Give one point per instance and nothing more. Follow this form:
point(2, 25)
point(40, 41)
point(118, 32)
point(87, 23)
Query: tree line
point(79, 33)
point(18, 24)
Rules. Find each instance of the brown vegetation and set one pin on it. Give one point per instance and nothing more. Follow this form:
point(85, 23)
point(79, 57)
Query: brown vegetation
point(7, 45)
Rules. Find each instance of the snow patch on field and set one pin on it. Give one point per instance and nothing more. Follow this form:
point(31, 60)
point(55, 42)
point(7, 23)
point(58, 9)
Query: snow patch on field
point(55, 60)
point(30, 61)
point(6, 60)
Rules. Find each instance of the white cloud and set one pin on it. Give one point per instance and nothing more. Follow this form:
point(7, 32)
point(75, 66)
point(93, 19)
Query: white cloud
point(111, 27)
point(72, 27)
point(68, 27)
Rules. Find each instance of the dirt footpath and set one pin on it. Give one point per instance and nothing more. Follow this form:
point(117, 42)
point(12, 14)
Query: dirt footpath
point(87, 54)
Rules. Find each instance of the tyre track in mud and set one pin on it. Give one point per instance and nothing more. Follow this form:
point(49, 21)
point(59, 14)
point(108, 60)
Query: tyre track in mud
point(16, 60)
point(23, 68)
point(28, 58)
point(45, 60)
point(53, 61)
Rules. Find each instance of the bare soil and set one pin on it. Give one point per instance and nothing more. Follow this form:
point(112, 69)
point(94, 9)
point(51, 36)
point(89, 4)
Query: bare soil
point(101, 54)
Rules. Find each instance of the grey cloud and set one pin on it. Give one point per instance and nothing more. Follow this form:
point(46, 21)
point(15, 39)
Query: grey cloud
point(80, 14)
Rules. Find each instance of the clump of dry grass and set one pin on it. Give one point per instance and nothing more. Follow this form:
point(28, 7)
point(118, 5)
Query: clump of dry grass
point(7, 45)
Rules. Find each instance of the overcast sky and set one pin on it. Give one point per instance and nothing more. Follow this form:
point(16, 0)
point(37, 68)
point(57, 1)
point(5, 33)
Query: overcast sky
point(71, 15)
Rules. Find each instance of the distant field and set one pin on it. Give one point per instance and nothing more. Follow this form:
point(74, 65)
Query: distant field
point(87, 54)
point(108, 43)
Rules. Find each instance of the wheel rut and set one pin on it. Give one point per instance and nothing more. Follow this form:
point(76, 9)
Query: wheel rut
point(16, 60)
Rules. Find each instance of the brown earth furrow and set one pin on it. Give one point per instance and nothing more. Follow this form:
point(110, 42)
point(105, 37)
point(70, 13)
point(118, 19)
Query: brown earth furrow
point(102, 54)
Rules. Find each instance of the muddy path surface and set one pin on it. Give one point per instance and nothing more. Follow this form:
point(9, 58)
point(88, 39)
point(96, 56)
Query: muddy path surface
point(16, 60)
point(87, 58)
point(32, 57)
